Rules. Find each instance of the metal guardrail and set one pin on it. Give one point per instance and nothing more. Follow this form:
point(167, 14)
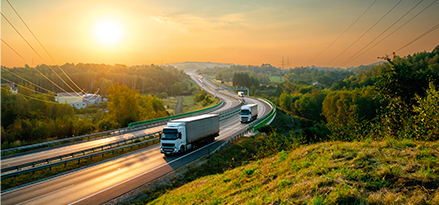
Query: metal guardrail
point(150, 123)
point(250, 128)
point(35, 165)
point(76, 158)
point(140, 123)
point(105, 133)
point(73, 154)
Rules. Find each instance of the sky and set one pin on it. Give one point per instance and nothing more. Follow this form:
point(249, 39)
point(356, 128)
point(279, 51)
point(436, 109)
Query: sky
point(283, 33)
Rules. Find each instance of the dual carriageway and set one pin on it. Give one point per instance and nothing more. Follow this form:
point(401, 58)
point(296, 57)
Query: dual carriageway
point(101, 182)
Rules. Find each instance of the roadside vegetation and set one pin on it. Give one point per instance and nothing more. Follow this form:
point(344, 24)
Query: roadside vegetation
point(375, 172)
point(365, 135)
point(136, 89)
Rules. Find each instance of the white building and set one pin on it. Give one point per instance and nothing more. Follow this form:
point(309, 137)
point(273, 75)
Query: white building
point(78, 100)
point(12, 87)
point(92, 98)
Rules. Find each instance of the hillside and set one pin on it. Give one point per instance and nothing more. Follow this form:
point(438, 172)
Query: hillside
point(385, 172)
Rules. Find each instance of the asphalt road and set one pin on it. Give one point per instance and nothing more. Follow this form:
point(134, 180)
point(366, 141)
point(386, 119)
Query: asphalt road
point(46, 154)
point(107, 180)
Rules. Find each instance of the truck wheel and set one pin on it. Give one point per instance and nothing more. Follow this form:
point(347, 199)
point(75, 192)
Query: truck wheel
point(183, 149)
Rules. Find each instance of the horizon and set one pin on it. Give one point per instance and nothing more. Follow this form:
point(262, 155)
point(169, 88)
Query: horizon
point(282, 34)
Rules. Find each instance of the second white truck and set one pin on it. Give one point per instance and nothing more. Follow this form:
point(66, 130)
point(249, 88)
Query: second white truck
point(187, 133)
point(249, 113)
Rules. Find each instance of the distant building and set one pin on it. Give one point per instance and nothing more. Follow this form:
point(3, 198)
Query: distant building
point(11, 86)
point(315, 83)
point(92, 98)
point(78, 100)
point(73, 99)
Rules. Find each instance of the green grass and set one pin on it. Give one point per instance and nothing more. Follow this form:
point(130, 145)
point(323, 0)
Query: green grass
point(170, 104)
point(384, 172)
point(276, 79)
point(189, 104)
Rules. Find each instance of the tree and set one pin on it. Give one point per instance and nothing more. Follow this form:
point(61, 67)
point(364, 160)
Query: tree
point(427, 115)
point(123, 104)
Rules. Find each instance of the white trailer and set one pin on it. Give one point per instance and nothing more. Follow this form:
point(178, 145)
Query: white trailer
point(187, 133)
point(249, 112)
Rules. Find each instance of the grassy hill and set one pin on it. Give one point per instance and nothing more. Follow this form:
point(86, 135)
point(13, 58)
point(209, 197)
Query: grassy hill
point(385, 172)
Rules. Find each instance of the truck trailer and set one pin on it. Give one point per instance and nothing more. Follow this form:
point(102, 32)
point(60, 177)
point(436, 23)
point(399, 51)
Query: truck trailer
point(249, 112)
point(187, 133)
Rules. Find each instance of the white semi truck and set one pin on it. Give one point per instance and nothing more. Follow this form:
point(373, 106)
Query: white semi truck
point(241, 94)
point(187, 133)
point(249, 112)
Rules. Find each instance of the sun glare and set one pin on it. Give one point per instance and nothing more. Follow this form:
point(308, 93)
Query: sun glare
point(108, 32)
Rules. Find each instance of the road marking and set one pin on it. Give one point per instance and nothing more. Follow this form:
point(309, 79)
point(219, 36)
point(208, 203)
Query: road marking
point(45, 195)
point(138, 176)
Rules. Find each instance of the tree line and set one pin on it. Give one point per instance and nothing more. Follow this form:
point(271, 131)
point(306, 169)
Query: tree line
point(33, 116)
point(99, 77)
point(397, 98)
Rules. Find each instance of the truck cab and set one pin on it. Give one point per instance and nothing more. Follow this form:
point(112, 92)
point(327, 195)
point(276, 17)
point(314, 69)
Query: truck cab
point(248, 113)
point(173, 139)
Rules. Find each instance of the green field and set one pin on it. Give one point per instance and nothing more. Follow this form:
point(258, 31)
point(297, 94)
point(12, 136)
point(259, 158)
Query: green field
point(170, 104)
point(188, 104)
point(276, 79)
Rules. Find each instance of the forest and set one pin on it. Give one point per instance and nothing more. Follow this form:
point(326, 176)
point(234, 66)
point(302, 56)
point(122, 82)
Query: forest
point(397, 98)
point(33, 116)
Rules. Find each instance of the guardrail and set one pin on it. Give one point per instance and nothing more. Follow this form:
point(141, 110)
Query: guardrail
point(108, 133)
point(35, 165)
point(73, 154)
point(251, 128)
point(140, 123)
point(74, 157)
point(87, 137)
point(261, 122)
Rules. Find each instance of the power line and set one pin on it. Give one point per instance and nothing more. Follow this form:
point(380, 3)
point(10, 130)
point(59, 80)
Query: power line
point(366, 31)
point(27, 88)
point(342, 33)
point(42, 45)
point(422, 35)
point(13, 50)
point(41, 59)
point(26, 96)
point(394, 31)
point(384, 31)
point(26, 80)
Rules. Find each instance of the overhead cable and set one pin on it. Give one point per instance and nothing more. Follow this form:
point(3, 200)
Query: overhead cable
point(383, 31)
point(41, 59)
point(366, 32)
point(342, 33)
point(42, 45)
point(394, 31)
point(419, 37)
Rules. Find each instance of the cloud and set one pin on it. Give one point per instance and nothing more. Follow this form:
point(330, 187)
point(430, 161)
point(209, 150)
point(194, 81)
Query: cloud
point(193, 23)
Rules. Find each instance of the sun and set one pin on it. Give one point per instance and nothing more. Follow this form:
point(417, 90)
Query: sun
point(108, 32)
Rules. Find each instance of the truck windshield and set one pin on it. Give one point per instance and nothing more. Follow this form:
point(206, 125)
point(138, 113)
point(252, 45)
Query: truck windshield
point(245, 112)
point(169, 134)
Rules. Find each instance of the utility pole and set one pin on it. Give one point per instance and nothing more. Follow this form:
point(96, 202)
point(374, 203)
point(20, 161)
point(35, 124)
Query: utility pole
point(288, 63)
point(282, 62)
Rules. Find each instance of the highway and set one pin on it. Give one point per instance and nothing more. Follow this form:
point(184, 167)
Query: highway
point(109, 179)
point(60, 151)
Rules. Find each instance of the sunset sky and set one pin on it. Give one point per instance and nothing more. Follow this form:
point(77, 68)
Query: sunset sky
point(228, 31)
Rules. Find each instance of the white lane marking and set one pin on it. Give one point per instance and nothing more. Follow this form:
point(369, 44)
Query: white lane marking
point(138, 176)
point(45, 195)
